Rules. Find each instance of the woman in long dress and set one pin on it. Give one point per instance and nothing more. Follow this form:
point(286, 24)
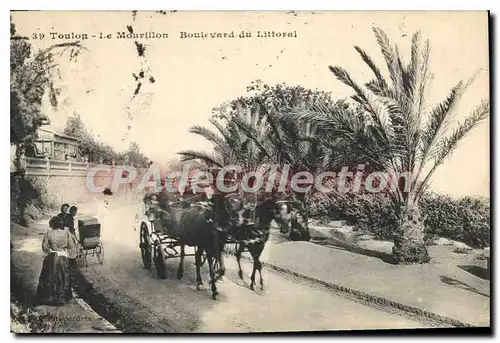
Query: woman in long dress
point(54, 285)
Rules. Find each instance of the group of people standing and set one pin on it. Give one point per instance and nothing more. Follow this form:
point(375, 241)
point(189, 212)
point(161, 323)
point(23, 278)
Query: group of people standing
point(60, 246)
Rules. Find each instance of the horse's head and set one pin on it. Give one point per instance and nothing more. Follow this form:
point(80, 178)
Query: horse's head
point(228, 209)
point(236, 209)
point(266, 211)
point(237, 213)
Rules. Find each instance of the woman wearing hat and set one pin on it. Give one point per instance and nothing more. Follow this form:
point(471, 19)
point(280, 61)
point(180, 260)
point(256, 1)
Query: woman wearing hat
point(54, 287)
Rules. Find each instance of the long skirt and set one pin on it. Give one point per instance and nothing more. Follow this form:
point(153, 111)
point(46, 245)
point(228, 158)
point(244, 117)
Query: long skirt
point(54, 285)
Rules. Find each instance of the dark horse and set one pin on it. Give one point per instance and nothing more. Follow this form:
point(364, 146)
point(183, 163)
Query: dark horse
point(203, 225)
point(253, 234)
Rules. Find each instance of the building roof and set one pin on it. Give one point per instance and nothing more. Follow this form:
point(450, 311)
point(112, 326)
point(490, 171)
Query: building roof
point(58, 134)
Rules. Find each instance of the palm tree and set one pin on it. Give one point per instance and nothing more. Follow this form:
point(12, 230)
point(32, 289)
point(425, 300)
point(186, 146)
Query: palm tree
point(393, 134)
point(251, 139)
point(230, 145)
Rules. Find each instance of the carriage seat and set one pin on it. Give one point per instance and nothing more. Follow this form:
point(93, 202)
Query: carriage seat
point(89, 230)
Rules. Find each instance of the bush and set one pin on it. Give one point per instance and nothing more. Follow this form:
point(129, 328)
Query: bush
point(27, 320)
point(465, 220)
point(26, 201)
point(368, 213)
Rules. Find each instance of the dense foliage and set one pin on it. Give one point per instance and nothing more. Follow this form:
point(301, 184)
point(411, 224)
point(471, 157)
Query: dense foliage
point(133, 156)
point(87, 144)
point(259, 129)
point(467, 219)
point(31, 74)
point(98, 151)
point(31, 77)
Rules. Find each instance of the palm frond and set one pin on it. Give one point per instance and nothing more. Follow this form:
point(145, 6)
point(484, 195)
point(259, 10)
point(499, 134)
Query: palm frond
point(338, 123)
point(450, 143)
point(439, 118)
point(252, 134)
point(378, 74)
point(375, 109)
point(208, 135)
point(390, 56)
point(200, 155)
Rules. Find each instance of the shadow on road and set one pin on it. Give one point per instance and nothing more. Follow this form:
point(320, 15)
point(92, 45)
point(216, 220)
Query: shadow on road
point(459, 284)
point(480, 272)
point(340, 245)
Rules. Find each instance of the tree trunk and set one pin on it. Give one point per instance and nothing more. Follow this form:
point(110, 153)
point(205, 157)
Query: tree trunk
point(409, 246)
point(299, 230)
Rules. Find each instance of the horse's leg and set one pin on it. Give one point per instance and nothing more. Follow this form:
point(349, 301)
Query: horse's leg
point(198, 256)
point(180, 270)
point(211, 256)
point(239, 251)
point(259, 266)
point(218, 245)
point(253, 252)
point(256, 251)
point(222, 270)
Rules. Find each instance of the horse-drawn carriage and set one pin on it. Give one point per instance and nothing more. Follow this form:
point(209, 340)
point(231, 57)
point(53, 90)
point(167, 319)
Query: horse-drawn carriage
point(207, 225)
point(89, 239)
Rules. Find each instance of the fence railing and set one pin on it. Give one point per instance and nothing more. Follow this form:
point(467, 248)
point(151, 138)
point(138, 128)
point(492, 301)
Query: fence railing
point(47, 167)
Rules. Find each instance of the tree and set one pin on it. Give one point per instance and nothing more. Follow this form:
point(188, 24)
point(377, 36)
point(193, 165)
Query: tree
point(75, 126)
point(133, 156)
point(30, 76)
point(393, 134)
point(248, 128)
point(258, 129)
point(87, 145)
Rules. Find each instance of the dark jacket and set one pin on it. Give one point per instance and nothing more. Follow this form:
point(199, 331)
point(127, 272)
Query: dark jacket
point(62, 215)
point(69, 222)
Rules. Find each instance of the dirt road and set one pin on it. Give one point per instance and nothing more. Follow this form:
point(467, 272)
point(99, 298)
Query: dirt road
point(148, 304)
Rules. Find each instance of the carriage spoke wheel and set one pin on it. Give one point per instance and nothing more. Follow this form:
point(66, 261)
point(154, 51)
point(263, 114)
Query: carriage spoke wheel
point(160, 261)
point(100, 252)
point(145, 246)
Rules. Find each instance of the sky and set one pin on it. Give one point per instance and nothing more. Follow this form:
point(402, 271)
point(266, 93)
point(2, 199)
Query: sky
point(192, 76)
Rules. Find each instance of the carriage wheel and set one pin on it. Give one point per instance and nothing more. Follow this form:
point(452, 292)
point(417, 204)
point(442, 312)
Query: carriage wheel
point(145, 246)
point(160, 261)
point(100, 252)
point(81, 259)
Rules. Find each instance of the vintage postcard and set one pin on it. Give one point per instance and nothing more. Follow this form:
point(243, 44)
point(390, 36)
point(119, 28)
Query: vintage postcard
point(243, 172)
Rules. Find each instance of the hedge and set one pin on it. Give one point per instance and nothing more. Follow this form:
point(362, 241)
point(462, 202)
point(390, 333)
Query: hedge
point(465, 219)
